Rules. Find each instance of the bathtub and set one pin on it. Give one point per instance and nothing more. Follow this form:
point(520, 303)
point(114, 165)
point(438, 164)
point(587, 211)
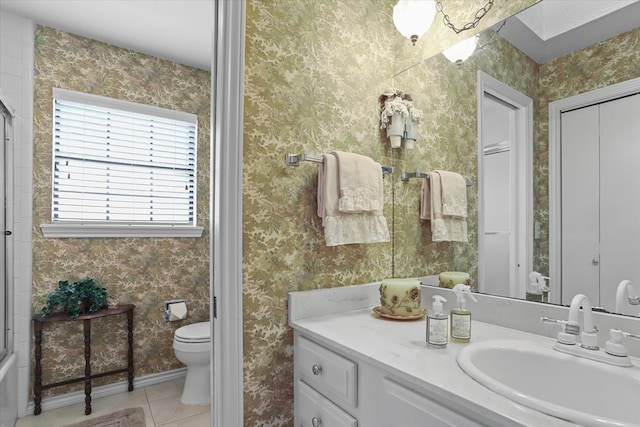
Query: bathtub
point(9, 391)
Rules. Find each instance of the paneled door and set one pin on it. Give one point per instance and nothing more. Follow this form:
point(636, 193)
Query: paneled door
point(505, 190)
point(600, 199)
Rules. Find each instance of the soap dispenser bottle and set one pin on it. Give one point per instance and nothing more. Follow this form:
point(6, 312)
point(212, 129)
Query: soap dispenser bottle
point(534, 290)
point(460, 316)
point(437, 324)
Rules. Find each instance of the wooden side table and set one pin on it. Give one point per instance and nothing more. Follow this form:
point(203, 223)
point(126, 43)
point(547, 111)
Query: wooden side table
point(40, 320)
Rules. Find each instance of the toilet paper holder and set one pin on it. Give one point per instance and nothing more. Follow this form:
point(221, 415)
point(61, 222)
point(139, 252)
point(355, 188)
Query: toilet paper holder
point(175, 310)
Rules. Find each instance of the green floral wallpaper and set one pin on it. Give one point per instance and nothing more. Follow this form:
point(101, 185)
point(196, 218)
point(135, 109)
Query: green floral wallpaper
point(447, 93)
point(144, 272)
point(313, 74)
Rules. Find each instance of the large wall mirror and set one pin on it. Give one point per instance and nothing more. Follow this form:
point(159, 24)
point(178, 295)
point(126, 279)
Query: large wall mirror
point(525, 54)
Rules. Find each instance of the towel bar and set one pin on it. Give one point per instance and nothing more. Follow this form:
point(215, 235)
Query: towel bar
point(406, 176)
point(295, 159)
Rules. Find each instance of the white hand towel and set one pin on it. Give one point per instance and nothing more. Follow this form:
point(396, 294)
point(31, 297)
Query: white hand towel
point(444, 228)
point(454, 194)
point(341, 228)
point(360, 183)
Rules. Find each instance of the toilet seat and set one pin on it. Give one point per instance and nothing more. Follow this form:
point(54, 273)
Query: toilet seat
point(194, 333)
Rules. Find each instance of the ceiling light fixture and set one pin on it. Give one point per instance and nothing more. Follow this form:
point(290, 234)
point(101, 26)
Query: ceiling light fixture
point(413, 18)
point(473, 24)
point(460, 52)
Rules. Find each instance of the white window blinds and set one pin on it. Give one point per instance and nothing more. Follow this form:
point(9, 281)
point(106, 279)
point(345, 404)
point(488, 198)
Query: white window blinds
point(121, 162)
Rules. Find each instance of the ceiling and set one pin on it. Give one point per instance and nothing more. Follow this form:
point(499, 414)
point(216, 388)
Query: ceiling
point(553, 28)
point(177, 30)
point(181, 30)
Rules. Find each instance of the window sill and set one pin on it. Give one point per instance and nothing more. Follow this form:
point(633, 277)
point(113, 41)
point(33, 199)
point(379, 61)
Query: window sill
point(84, 231)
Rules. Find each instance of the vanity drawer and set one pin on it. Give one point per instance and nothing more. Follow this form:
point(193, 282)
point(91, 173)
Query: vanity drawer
point(315, 410)
point(408, 408)
point(328, 372)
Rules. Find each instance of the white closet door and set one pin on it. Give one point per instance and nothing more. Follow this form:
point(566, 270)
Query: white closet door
point(619, 195)
point(580, 204)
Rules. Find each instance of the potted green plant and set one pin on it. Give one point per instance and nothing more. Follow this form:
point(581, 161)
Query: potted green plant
point(84, 296)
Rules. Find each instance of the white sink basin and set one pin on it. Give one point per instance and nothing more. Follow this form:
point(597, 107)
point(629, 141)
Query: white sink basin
point(575, 389)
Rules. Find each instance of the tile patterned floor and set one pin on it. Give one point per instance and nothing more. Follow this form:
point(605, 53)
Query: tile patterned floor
point(161, 404)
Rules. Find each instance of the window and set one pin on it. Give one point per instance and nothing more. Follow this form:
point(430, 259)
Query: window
point(121, 168)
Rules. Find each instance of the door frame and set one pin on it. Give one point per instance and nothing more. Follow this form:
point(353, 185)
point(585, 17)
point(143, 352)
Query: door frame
point(522, 242)
point(225, 268)
point(556, 108)
point(7, 170)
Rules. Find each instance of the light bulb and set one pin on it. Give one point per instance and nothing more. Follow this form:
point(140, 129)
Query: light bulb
point(413, 18)
point(460, 52)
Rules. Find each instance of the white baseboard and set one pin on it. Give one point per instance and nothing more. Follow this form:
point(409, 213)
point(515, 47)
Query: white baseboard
point(76, 397)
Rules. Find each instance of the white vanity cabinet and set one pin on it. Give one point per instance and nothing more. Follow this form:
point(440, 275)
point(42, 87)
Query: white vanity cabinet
point(409, 408)
point(333, 389)
point(324, 383)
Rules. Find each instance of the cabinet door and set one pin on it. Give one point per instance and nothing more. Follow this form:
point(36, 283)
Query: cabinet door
point(400, 406)
point(314, 410)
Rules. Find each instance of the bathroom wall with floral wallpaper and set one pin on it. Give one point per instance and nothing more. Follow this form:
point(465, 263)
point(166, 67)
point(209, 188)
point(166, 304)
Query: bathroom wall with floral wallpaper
point(313, 73)
point(141, 271)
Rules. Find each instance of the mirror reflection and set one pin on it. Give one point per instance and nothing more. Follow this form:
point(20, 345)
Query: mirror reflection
point(473, 128)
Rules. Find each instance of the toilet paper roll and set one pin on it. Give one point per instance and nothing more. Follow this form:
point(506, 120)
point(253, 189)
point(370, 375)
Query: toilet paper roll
point(177, 311)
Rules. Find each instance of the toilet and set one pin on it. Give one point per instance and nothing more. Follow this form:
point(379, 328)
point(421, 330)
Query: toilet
point(192, 346)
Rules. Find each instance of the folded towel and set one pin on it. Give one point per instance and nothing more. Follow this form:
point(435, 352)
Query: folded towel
point(444, 227)
point(328, 189)
point(360, 183)
point(341, 228)
point(425, 200)
point(454, 194)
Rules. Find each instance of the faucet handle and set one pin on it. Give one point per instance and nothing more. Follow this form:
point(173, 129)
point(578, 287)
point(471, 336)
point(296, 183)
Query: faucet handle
point(569, 330)
point(546, 319)
point(616, 345)
point(627, 335)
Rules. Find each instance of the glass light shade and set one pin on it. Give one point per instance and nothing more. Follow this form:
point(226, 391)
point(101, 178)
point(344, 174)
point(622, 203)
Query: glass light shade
point(411, 133)
point(460, 52)
point(395, 129)
point(414, 17)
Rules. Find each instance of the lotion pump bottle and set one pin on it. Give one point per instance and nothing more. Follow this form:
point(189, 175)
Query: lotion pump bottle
point(534, 290)
point(437, 324)
point(460, 316)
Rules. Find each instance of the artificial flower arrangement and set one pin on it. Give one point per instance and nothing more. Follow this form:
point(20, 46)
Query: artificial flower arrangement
point(74, 299)
point(400, 117)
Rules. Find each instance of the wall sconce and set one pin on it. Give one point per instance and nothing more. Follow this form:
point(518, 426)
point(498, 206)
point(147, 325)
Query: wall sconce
point(400, 118)
point(460, 52)
point(413, 18)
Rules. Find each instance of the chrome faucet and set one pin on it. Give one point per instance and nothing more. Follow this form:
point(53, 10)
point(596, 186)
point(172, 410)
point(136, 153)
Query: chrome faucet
point(625, 287)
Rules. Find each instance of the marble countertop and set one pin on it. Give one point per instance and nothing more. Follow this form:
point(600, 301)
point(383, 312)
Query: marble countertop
point(400, 348)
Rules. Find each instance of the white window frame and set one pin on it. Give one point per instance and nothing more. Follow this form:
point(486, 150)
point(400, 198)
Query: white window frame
point(92, 229)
